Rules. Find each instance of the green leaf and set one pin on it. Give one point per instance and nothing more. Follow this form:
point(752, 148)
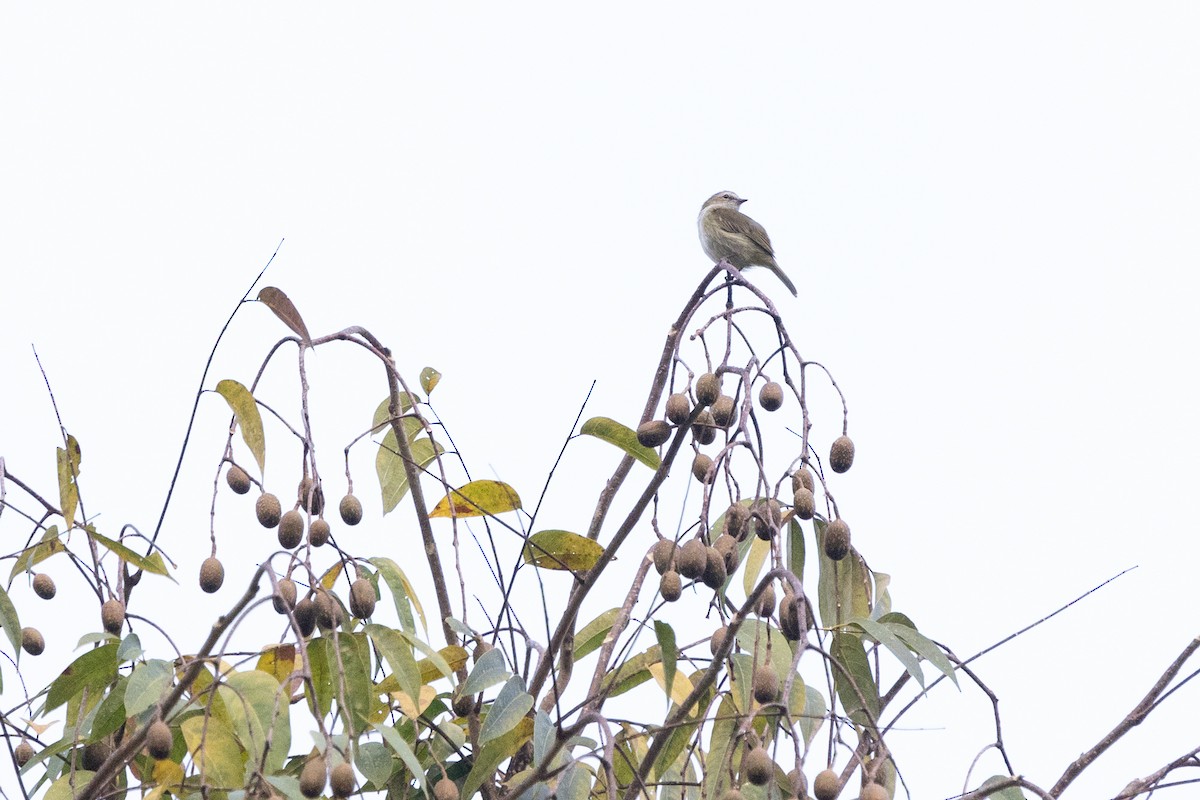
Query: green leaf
point(574, 783)
point(402, 593)
point(257, 706)
point(666, 643)
point(886, 637)
point(429, 379)
point(95, 670)
point(399, 655)
point(283, 308)
point(245, 410)
point(355, 697)
point(478, 499)
point(843, 587)
point(10, 621)
point(613, 432)
point(1009, 793)
point(854, 682)
point(506, 711)
point(69, 786)
point(111, 714)
point(494, 753)
point(68, 474)
point(796, 549)
point(488, 671)
point(633, 672)
point(402, 748)
point(389, 466)
point(562, 550)
point(28, 558)
point(716, 763)
point(215, 752)
point(127, 555)
point(149, 681)
point(591, 636)
point(925, 648)
point(814, 714)
point(323, 668)
point(375, 762)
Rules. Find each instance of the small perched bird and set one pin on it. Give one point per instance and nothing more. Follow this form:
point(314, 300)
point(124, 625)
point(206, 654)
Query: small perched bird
point(727, 233)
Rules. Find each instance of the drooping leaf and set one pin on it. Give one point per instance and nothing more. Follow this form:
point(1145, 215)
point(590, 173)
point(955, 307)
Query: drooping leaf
point(562, 550)
point(131, 557)
point(796, 549)
point(665, 635)
point(843, 587)
point(924, 648)
point(245, 410)
point(355, 664)
point(814, 713)
point(429, 379)
point(681, 687)
point(592, 635)
point(613, 432)
point(854, 682)
point(68, 474)
point(506, 711)
point(399, 656)
point(574, 783)
point(149, 681)
point(215, 752)
point(402, 593)
point(886, 637)
point(374, 761)
point(494, 753)
point(283, 308)
point(111, 714)
point(30, 557)
point(441, 663)
point(402, 748)
point(716, 772)
point(478, 499)
point(759, 551)
point(258, 714)
point(488, 671)
point(95, 670)
point(389, 466)
point(10, 621)
point(329, 578)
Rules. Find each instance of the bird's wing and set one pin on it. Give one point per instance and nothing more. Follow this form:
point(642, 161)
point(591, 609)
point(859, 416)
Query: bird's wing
point(738, 222)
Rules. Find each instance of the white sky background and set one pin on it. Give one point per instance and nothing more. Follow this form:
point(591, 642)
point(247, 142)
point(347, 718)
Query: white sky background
point(990, 212)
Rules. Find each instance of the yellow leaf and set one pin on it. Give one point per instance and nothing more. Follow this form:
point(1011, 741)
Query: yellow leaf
point(681, 687)
point(562, 550)
point(245, 409)
point(278, 661)
point(478, 499)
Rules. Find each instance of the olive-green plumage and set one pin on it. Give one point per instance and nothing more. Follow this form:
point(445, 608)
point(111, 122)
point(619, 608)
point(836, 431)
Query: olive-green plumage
point(727, 233)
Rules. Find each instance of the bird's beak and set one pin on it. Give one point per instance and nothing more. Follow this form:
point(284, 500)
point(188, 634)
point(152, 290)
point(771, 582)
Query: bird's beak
point(742, 200)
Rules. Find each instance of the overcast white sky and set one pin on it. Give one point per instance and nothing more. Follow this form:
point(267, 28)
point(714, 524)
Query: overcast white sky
point(990, 211)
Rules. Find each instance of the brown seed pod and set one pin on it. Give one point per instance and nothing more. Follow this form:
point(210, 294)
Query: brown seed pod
point(653, 433)
point(874, 791)
point(679, 408)
point(305, 613)
point(237, 479)
point(311, 498)
point(329, 610)
point(268, 510)
point(798, 784)
point(362, 598)
point(341, 780)
point(770, 396)
point(463, 704)
point(791, 618)
point(23, 752)
point(95, 754)
point(32, 641)
point(112, 616)
point(159, 739)
point(802, 477)
point(670, 586)
point(445, 789)
point(664, 552)
point(715, 573)
point(318, 532)
point(285, 595)
point(691, 559)
point(758, 766)
point(482, 648)
point(723, 411)
point(351, 510)
point(826, 785)
point(702, 467)
point(841, 454)
point(837, 540)
point(291, 529)
point(767, 517)
point(766, 601)
point(728, 547)
point(718, 639)
point(705, 427)
point(212, 574)
point(736, 518)
point(804, 503)
point(765, 684)
point(312, 777)
point(708, 389)
point(43, 586)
